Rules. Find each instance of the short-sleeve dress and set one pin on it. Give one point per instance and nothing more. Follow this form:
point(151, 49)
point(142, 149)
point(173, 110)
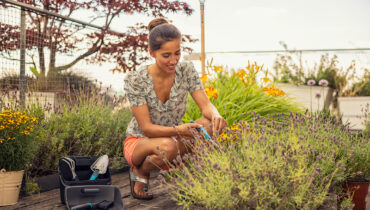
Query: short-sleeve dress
point(139, 90)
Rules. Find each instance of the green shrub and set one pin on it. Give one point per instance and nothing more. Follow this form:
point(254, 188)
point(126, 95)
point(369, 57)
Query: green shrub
point(67, 81)
point(362, 87)
point(84, 126)
point(282, 161)
point(366, 132)
point(359, 162)
point(289, 69)
point(11, 81)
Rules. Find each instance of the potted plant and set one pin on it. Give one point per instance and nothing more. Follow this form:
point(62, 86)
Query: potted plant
point(353, 99)
point(312, 87)
point(17, 146)
point(358, 169)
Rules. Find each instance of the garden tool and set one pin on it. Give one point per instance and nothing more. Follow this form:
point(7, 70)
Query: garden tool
point(100, 205)
point(202, 131)
point(72, 166)
point(99, 166)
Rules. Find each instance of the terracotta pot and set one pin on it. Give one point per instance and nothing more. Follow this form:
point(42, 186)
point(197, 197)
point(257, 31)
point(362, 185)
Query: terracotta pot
point(359, 191)
point(10, 185)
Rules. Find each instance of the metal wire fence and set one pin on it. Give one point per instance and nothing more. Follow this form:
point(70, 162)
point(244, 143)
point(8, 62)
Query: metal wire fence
point(40, 52)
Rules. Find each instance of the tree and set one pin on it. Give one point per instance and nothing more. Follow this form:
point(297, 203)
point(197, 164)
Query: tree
point(51, 36)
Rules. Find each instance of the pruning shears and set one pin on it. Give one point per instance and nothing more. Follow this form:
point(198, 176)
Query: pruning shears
point(202, 131)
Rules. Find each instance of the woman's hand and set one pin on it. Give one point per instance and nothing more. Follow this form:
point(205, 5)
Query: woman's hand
point(185, 129)
point(218, 124)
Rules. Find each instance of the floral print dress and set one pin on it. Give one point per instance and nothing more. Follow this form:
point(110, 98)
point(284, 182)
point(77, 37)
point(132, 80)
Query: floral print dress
point(139, 90)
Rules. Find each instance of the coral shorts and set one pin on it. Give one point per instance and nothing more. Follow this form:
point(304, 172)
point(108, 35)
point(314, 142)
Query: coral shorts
point(129, 147)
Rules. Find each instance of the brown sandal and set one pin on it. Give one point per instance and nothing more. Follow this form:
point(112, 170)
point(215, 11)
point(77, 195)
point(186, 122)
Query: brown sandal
point(134, 178)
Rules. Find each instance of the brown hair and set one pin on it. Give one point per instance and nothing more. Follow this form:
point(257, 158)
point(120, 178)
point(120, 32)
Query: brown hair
point(160, 32)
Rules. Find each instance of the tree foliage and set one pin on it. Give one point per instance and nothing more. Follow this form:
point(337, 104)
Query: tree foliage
point(49, 36)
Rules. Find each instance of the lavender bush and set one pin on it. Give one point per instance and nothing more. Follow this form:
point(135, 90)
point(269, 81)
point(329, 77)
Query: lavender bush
point(86, 124)
point(281, 161)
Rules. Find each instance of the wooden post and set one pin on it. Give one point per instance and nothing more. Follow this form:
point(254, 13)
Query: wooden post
point(203, 55)
point(22, 79)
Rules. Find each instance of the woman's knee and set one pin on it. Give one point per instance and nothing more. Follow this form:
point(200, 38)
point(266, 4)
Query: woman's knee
point(168, 148)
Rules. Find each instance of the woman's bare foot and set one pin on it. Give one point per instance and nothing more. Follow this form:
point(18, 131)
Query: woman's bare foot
point(139, 186)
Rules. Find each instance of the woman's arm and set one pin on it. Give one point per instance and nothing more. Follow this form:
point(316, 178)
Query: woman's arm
point(208, 110)
point(142, 115)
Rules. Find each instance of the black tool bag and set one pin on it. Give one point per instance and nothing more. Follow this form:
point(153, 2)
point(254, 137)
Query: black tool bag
point(93, 197)
point(76, 171)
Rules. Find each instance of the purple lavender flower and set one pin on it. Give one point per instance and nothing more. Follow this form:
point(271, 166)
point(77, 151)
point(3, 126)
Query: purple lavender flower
point(311, 82)
point(164, 173)
point(160, 177)
point(323, 83)
point(317, 95)
point(185, 157)
point(179, 159)
point(156, 182)
point(325, 179)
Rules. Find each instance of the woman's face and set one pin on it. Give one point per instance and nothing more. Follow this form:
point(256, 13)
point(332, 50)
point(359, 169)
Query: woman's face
point(168, 55)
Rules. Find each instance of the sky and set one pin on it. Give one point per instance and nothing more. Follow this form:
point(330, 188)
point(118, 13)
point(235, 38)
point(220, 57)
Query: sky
point(244, 25)
point(261, 25)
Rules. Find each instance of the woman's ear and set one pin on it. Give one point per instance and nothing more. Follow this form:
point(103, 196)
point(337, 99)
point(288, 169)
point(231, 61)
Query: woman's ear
point(152, 53)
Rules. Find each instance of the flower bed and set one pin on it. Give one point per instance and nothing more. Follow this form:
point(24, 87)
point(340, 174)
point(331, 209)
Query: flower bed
point(282, 161)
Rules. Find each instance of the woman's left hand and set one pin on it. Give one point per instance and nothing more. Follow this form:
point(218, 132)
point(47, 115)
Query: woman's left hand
point(218, 124)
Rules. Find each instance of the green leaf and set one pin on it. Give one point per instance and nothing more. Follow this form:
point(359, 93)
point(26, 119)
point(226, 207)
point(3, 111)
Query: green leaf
point(34, 71)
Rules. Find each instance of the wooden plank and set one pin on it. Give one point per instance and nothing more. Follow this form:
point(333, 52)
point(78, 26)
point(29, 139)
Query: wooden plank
point(51, 199)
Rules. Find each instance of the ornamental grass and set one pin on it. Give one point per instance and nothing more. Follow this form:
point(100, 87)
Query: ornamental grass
point(235, 93)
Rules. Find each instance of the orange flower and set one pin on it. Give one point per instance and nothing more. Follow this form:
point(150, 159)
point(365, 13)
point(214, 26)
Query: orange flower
point(218, 68)
point(211, 92)
point(266, 80)
point(249, 66)
point(204, 78)
point(273, 91)
point(241, 73)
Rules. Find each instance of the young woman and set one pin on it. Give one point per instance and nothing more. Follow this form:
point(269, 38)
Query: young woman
point(157, 94)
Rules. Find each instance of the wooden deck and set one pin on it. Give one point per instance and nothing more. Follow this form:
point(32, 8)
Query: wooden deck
point(51, 199)
point(161, 200)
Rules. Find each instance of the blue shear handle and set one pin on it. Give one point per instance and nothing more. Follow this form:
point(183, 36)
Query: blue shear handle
point(83, 206)
point(94, 175)
point(202, 131)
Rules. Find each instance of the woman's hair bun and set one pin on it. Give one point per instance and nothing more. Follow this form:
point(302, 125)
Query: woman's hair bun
point(156, 22)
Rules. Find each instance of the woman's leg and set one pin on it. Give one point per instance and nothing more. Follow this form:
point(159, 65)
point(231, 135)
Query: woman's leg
point(147, 154)
point(153, 153)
